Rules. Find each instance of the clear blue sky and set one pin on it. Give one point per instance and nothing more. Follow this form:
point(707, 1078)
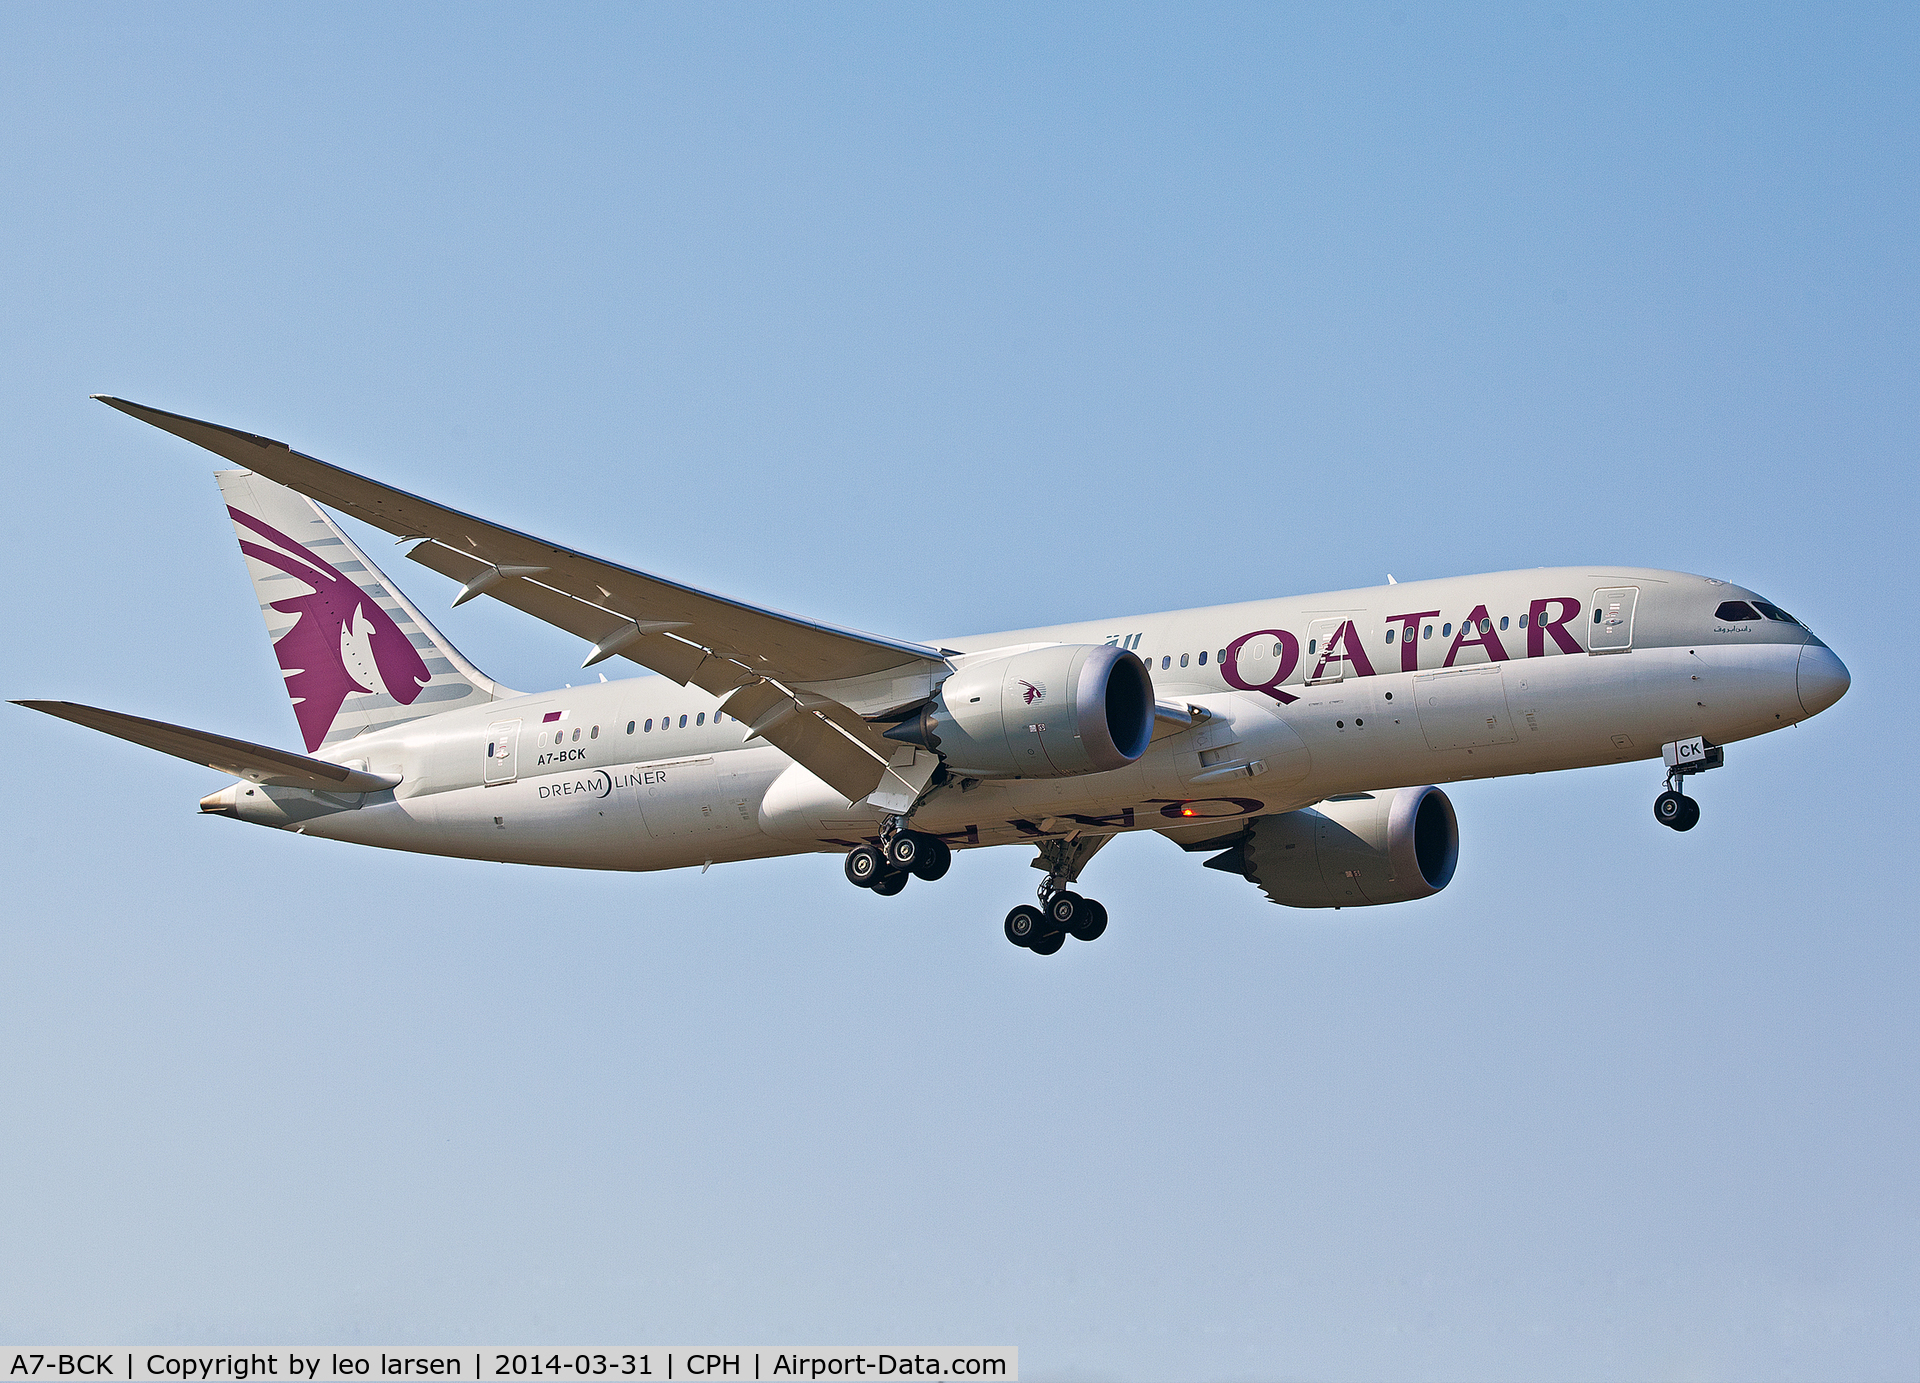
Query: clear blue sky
point(936, 320)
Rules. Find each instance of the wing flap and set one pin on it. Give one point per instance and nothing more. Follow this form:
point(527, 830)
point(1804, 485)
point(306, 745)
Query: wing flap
point(794, 726)
point(257, 763)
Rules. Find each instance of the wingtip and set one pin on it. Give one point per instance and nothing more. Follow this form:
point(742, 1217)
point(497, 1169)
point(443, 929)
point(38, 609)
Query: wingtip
point(127, 406)
point(180, 425)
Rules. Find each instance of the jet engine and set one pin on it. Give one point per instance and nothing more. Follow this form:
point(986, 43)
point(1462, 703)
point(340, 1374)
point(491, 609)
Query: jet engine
point(1352, 851)
point(1047, 712)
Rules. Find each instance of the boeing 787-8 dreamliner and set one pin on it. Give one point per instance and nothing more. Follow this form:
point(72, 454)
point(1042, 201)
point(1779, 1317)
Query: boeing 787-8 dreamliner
point(1296, 741)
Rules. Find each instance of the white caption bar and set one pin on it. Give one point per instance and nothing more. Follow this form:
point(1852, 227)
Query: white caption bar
point(667, 1364)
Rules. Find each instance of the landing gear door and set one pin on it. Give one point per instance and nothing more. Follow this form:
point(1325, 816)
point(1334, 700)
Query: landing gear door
point(1611, 627)
point(503, 746)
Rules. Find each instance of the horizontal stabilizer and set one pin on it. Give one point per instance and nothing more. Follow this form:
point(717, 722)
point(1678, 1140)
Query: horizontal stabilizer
point(255, 762)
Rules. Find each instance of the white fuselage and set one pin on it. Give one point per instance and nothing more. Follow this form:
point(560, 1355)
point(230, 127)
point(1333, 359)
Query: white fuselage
point(644, 774)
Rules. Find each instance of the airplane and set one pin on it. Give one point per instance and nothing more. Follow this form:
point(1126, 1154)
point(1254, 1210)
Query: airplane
point(1297, 742)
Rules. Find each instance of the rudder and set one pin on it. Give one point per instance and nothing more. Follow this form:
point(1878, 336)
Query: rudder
point(356, 654)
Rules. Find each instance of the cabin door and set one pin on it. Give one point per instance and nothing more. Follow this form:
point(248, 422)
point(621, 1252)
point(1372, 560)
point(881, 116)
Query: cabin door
point(503, 744)
point(1318, 668)
point(1612, 627)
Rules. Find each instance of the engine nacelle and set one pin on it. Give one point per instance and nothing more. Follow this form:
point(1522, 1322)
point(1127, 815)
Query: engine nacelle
point(1048, 712)
point(1355, 851)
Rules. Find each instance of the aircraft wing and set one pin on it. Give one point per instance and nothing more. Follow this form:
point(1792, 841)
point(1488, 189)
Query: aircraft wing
point(257, 763)
point(765, 662)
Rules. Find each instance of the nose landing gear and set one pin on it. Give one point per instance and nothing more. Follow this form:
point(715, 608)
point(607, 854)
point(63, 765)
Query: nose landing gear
point(1684, 758)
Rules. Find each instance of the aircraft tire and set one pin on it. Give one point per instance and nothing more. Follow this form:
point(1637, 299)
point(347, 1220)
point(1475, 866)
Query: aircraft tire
point(1023, 924)
point(889, 883)
point(1670, 809)
point(1048, 944)
point(864, 866)
point(935, 858)
point(1063, 909)
point(1689, 817)
point(1090, 921)
point(905, 849)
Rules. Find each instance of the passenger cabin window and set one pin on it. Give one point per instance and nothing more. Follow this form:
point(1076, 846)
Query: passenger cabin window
point(1203, 657)
point(1166, 662)
point(1523, 621)
point(683, 722)
point(1390, 634)
point(700, 719)
point(1183, 660)
point(629, 727)
point(1735, 610)
point(1220, 655)
point(596, 733)
point(576, 734)
point(1774, 612)
point(1486, 626)
point(1446, 631)
point(1427, 633)
point(1312, 645)
point(1503, 623)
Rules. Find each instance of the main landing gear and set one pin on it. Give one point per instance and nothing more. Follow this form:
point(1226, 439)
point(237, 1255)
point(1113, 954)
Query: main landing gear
point(901, 855)
point(1045, 929)
point(1062, 913)
point(1684, 758)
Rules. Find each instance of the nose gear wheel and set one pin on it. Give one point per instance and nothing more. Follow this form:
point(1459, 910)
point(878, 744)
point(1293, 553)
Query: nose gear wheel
point(1676, 811)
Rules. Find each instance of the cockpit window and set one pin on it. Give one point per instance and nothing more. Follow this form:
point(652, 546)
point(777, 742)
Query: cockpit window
point(1774, 612)
point(1735, 609)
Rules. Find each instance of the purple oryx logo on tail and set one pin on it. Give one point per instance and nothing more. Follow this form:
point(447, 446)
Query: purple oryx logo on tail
point(341, 642)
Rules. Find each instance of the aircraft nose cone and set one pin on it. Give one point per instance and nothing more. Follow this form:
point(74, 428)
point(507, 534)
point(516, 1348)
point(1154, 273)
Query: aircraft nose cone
point(1823, 679)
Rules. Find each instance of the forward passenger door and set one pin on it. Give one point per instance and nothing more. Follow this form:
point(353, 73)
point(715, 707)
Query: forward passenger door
point(1611, 630)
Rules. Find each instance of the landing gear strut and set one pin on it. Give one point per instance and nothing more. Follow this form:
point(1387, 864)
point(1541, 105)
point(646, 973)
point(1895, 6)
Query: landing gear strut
point(1062, 913)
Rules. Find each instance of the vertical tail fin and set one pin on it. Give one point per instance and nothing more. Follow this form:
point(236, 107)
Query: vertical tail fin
point(356, 653)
